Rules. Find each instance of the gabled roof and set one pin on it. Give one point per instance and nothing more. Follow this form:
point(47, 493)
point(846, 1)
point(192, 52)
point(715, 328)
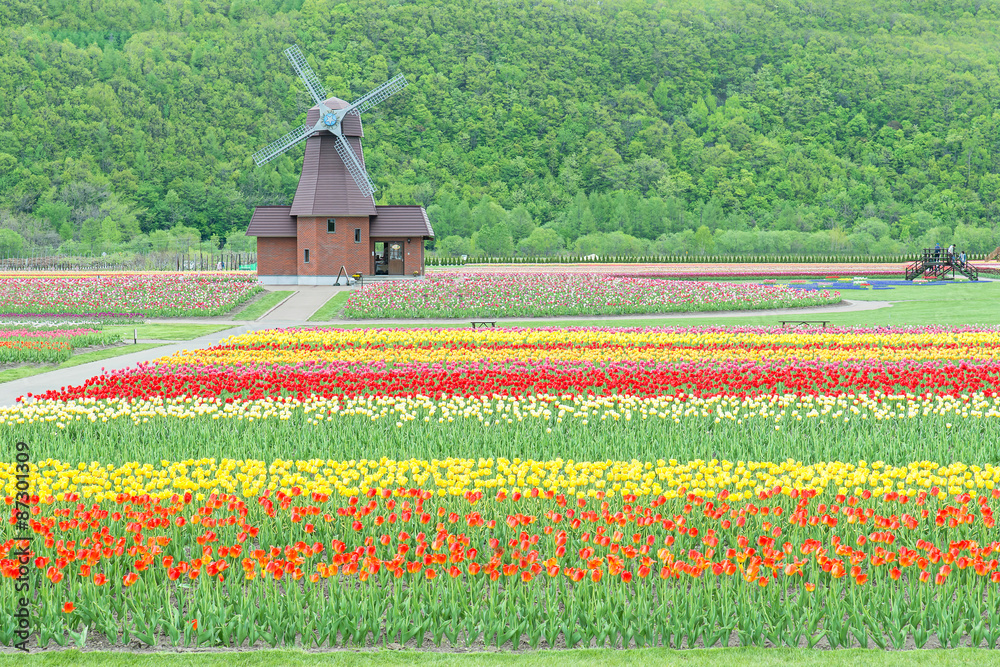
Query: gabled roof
point(325, 186)
point(400, 221)
point(272, 221)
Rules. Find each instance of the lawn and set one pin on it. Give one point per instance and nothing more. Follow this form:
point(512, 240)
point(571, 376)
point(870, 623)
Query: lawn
point(331, 308)
point(952, 304)
point(167, 331)
point(744, 657)
point(264, 304)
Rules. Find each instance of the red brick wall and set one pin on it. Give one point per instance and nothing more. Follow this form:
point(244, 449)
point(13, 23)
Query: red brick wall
point(275, 256)
point(328, 252)
point(413, 256)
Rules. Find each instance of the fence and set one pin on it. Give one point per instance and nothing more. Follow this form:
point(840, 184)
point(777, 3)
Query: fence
point(194, 261)
point(687, 259)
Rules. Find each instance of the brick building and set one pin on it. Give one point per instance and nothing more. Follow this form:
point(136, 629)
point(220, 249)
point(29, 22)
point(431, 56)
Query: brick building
point(331, 225)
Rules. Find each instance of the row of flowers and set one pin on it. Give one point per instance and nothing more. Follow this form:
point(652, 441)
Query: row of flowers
point(696, 270)
point(61, 481)
point(676, 362)
point(544, 294)
point(147, 294)
point(199, 556)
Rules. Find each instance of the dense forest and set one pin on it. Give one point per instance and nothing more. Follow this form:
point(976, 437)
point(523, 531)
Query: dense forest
point(529, 127)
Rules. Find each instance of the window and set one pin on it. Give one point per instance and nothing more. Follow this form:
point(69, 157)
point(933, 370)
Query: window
point(395, 251)
point(331, 225)
point(357, 236)
point(305, 256)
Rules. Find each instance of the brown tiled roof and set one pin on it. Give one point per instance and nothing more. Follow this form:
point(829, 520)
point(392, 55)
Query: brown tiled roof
point(325, 185)
point(401, 221)
point(272, 221)
point(351, 123)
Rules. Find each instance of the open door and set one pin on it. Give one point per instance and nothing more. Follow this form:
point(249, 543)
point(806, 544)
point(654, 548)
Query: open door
point(381, 258)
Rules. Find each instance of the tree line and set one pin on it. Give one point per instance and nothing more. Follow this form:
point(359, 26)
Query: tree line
point(529, 125)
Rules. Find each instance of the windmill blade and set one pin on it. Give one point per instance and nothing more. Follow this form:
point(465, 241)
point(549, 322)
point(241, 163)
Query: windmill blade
point(276, 148)
point(308, 76)
point(379, 95)
point(354, 166)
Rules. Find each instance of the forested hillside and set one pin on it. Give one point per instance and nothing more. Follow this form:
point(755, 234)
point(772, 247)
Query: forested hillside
point(725, 125)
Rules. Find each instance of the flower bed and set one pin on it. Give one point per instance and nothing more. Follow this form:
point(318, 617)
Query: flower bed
point(521, 487)
point(53, 345)
point(536, 295)
point(692, 271)
point(125, 295)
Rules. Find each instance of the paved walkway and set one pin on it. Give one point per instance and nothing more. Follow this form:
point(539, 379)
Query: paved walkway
point(300, 306)
point(77, 375)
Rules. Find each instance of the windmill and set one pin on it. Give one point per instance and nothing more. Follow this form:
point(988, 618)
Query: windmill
point(333, 114)
point(333, 229)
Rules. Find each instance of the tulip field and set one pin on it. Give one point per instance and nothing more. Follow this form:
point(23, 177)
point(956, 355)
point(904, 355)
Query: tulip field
point(701, 270)
point(517, 488)
point(125, 295)
point(49, 344)
point(553, 294)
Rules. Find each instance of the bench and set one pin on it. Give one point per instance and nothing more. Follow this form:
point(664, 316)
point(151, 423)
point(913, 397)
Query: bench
point(798, 323)
point(481, 324)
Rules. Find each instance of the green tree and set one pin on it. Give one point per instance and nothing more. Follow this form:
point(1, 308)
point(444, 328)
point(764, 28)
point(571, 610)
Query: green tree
point(542, 242)
point(494, 240)
point(11, 243)
point(704, 240)
point(455, 246)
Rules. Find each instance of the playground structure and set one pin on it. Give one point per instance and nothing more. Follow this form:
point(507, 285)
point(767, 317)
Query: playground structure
point(935, 263)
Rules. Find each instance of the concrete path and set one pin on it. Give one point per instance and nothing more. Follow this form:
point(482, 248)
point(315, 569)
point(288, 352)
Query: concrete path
point(300, 306)
point(77, 375)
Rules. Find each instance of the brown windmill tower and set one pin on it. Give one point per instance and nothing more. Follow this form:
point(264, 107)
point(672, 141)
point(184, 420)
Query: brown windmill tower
point(333, 228)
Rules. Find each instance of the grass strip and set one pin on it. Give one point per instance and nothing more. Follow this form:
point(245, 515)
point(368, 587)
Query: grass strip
point(331, 308)
point(87, 357)
point(257, 308)
point(163, 331)
point(719, 657)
